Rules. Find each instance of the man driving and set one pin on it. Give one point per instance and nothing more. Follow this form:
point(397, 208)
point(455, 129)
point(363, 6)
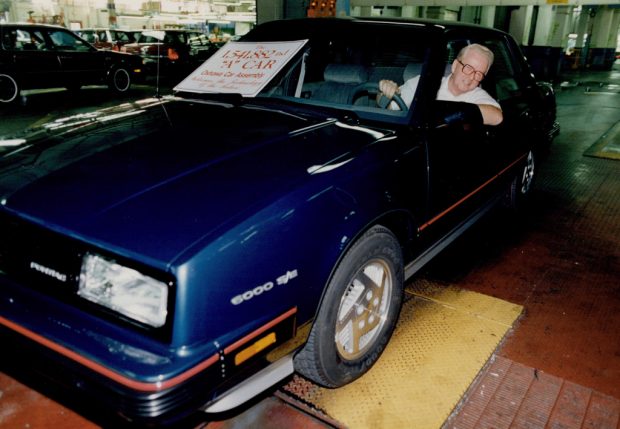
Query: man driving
point(468, 70)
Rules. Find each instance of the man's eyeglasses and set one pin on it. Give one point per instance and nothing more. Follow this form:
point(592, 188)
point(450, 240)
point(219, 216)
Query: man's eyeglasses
point(469, 70)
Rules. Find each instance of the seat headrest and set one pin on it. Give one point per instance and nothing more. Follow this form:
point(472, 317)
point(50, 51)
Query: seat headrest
point(345, 73)
point(415, 69)
point(412, 70)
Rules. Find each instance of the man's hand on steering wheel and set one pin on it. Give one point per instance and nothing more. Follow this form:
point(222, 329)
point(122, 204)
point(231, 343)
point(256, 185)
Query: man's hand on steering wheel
point(388, 92)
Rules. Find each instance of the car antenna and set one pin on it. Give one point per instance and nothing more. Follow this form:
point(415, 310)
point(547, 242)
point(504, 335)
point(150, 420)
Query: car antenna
point(159, 35)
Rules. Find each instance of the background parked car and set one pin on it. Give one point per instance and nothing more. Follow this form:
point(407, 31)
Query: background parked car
point(47, 56)
point(171, 53)
point(106, 38)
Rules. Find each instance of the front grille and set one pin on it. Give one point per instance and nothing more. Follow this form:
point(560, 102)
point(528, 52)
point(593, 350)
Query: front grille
point(49, 262)
point(38, 258)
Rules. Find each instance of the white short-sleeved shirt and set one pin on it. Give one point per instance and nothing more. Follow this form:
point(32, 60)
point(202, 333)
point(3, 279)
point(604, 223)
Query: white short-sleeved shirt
point(475, 96)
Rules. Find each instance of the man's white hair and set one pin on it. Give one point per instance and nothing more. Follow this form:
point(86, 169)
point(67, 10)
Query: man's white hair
point(483, 50)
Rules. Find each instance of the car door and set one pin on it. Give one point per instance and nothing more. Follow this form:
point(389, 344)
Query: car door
point(470, 164)
point(35, 62)
point(80, 62)
point(458, 153)
point(458, 169)
point(512, 85)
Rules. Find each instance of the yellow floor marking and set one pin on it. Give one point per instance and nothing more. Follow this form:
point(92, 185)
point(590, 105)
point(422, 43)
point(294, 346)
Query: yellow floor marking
point(608, 145)
point(444, 337)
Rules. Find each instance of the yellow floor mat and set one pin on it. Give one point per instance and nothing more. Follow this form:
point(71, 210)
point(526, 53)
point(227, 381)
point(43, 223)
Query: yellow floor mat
point(444, 337)
point(608, 145)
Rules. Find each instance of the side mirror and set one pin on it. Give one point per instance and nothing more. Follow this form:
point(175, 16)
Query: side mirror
point(453, 113)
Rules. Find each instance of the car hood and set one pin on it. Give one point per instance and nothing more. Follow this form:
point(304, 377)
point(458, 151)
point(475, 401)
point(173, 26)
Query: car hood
point(150, 180)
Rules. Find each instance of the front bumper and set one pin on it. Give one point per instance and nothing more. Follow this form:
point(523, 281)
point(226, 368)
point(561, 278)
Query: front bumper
point(158, 403)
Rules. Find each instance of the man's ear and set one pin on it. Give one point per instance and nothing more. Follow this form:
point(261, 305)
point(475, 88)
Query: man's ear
point(454, 65)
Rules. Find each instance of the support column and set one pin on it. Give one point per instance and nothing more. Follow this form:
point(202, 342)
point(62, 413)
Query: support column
point(582, 28)
point(520, 22)
point(435, 12)
point(268, 10)
point(361, 11)
point(602, 51)
point(481, 15)
point(546, 52)
point(487, 17)
point(409, 11)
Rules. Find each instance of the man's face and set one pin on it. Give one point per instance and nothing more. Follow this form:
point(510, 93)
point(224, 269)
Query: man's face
point(463, 82)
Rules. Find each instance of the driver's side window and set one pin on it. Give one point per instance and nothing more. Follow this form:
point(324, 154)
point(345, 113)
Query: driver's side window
point(500, 80)
point(502, 75)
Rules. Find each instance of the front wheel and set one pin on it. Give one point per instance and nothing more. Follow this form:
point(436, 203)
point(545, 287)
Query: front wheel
point(9, 89)
point(358, 313)
point(119, 80)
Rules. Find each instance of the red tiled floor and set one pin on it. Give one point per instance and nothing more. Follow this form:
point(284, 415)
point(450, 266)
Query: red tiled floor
point(561, 262)
point(510, 395)
point(22, 407)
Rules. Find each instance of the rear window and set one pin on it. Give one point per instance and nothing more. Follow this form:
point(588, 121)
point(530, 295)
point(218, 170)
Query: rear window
point(23, 40)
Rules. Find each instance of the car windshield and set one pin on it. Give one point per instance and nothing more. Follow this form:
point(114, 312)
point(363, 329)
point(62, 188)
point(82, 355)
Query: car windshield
point(66, 41)
point(339, 69)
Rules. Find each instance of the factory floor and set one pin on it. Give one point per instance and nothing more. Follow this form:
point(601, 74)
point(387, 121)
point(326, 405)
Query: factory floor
point(557, 364)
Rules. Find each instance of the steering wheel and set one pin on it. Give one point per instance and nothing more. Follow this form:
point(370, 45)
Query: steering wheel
point(373, 88)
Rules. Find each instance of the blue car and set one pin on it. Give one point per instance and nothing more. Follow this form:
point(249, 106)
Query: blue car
point(189, 252)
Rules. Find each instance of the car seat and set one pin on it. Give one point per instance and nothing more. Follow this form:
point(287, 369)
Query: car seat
point(340, 81)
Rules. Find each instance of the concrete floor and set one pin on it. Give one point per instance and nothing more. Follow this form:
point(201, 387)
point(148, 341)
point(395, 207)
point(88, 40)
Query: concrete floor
point(560, 260)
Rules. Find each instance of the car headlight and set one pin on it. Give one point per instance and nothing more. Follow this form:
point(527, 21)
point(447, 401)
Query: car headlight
point(123, 290)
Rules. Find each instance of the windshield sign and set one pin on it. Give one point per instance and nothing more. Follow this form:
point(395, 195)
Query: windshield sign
point(241, 67)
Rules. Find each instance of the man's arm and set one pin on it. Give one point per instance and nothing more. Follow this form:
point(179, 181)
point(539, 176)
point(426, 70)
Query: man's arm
point(491, 115)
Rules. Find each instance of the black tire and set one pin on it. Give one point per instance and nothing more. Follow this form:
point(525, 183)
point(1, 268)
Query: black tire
point(119, 80)
point(9, 89)
point(521, 186)
point(354, 325)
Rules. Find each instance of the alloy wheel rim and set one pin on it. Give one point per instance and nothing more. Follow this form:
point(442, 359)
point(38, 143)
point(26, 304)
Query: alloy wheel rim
point(363, 309)
point(528, 174)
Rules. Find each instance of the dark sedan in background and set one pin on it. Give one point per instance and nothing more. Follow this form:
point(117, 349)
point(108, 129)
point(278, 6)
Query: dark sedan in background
point(188, 252)
point(47, 56)
point(171, 54)
point(108, 38)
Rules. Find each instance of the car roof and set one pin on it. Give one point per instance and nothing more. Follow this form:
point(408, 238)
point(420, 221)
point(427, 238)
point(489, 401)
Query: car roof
point(318, 25)
point(178, 30)
point(31, 25)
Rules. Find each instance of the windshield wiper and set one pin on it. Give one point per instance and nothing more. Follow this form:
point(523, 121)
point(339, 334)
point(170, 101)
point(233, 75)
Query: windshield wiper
point(234, 99)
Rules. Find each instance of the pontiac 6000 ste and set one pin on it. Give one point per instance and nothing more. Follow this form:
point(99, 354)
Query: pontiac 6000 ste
point(188, 252)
